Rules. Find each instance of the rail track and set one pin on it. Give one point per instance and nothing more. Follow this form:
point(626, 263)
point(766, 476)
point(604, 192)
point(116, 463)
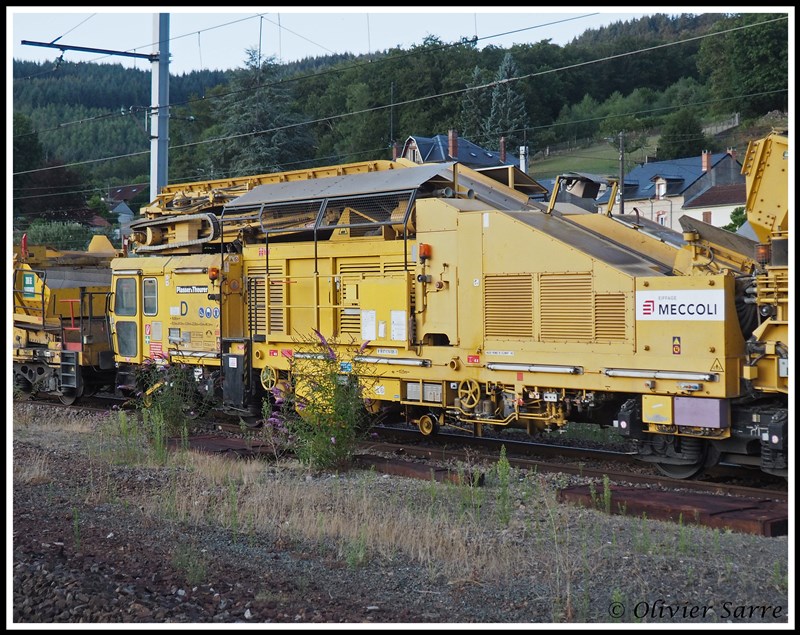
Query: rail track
point(403, 441)
point(722, 498)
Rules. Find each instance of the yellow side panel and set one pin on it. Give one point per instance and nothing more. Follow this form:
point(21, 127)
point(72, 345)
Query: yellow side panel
point(657, 409)
point(385, 305)
point(385, 389)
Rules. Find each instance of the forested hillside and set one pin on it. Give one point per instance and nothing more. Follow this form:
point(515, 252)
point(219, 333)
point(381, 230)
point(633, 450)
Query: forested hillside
point(79, 128)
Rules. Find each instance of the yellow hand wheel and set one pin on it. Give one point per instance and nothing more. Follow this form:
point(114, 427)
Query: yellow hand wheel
point(269, 377)
point(469, 392)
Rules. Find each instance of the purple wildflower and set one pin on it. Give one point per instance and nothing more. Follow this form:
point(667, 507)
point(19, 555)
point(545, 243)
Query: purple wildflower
point(322, 339)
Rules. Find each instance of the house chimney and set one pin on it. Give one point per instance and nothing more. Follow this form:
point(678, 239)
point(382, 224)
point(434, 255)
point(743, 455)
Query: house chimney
point(502, 149)
point(705, 163)
point(732, 152)
point(452, 144)
point(523, 159)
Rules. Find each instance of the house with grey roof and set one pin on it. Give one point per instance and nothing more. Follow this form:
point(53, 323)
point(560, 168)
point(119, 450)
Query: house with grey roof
point(450, 147)
point(117, 202)
point(706, 187)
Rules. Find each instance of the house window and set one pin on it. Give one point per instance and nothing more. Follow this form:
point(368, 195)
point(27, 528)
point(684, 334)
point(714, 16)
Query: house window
point(707, 217)
point(661, 189)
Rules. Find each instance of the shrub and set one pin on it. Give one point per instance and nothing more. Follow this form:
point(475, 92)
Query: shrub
point(170, 393)
point(330, 418)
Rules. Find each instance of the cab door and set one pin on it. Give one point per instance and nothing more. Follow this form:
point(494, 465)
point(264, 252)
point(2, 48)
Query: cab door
point(126, 319)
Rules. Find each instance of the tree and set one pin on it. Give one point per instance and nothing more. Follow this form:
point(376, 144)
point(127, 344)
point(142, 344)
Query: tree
point(738, 218)
point(508, 117)
point(475, 107)
point(747, 69)
point(43, 190)
point(59, 235)
point(258, 129)
point(681, 136)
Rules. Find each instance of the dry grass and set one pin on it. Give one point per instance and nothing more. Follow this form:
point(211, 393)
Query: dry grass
point(36, 472)
point(356, 516)
point(569, 560)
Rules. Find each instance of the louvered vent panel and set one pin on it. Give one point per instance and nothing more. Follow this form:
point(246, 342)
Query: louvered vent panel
point(367, 269)
point(609, 318)
point(277, 299)
point(350, 313)
point(508, 306)
point(395, 267)
point(350, 321)
point(257, 308)
point(565, 310)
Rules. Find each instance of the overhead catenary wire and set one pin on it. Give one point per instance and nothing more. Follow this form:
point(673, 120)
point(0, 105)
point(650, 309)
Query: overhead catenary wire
point(448, 94)
point(317, 75)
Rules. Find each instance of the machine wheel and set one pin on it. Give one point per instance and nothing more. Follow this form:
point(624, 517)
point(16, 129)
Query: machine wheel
point(693, 449)
point(681, 471)
point(469, 393)
point(428, 424)
point(70, 398)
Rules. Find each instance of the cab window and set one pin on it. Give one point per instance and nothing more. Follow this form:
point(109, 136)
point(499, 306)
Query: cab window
point(125, 297)
point(150, 296)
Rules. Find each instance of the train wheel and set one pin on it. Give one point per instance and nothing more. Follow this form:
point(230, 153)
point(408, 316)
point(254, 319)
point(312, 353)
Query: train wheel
point(469, 393)
point(70, 398)
point(695, 452)
point(428, 424)
point(681, 471)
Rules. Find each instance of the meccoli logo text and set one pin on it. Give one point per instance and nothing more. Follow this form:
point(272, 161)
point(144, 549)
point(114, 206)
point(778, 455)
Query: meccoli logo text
point(686, 305)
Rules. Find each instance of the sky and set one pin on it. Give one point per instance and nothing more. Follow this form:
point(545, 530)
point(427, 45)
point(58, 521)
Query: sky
point(217, 40)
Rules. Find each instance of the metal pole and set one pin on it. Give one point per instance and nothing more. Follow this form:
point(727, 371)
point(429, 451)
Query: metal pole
point(159, 115)
point(621, 173)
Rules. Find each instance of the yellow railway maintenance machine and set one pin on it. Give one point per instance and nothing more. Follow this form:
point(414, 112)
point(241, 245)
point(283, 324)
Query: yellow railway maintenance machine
point(469, 303)
point(61, 340)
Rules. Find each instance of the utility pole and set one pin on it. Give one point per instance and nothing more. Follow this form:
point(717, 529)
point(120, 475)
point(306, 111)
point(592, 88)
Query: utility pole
point(621, 172)
point(159, 143)
point(159, 113)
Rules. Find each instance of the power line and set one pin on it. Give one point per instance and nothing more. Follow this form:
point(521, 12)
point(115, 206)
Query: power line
point(341, 69)
point(448, 94)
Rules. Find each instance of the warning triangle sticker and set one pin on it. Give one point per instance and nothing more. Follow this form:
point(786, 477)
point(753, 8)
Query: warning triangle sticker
point(716, 365)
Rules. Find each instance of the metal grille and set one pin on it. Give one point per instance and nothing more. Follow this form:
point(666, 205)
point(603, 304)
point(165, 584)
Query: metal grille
point(565, 308)
point(362, 269)
point(257, 307)
point(364, 214)
point(508, 306)
point(288, 217)
point(609, 317)
point(394, 267)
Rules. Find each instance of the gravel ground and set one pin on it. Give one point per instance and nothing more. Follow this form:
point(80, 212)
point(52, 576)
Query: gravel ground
point(99, 538)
